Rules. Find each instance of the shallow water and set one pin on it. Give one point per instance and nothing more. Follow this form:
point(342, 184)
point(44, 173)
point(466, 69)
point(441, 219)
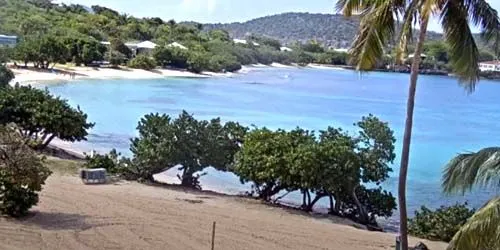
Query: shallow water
point(447, 119)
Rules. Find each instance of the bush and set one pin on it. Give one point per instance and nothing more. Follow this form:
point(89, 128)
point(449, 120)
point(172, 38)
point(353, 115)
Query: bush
point(108, 161)
point(218, 63)
point(142, 62)
point(115, 58)
point(198, 61)
point(441, 224)
point(6, 75)
point(22, 174)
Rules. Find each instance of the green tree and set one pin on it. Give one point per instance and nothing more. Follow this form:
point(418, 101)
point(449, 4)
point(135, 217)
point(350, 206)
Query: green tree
point(377, 29)
point(441, 224)
point(115, 58)
point(313, 46)
point(22, 174)
point(220, 35)
point(42, 117)
point(117, 45)
point(162, 55)
point(198, 61)
point(186, 143)
point(142, 62)
point(6, 75)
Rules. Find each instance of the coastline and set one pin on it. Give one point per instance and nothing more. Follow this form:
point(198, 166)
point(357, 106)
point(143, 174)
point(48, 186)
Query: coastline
point(64, 73)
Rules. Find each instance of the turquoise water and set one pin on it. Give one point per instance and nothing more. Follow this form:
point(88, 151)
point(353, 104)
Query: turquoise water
point(447, 119)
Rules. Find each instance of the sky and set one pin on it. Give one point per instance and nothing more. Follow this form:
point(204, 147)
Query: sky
point(223, 11)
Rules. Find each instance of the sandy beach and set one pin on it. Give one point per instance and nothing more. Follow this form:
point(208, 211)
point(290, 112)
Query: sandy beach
point(129, 215)
point(24, 76)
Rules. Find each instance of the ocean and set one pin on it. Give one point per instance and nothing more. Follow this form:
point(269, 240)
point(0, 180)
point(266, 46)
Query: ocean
point(447, 121)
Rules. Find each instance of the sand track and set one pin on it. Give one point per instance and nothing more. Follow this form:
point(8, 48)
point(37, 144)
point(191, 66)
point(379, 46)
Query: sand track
point(71, 215)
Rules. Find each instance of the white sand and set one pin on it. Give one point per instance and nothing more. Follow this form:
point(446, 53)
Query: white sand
point(322, 66)
point(23, 76)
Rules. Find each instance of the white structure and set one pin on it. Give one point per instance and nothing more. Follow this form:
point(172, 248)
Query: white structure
point(9, 41)
point(240, 41)
point(286, 49)
point(177, 45)
point(490, 66)
point(146, 45)
point(342, 50)
point(422, 56)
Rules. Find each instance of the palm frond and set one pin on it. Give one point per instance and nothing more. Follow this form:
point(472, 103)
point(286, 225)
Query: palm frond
point(481, 231)
point(352, 7)
point(406, 33)
point(464, 53)
point(471, 169)
point(376, 29)
point(486, 17)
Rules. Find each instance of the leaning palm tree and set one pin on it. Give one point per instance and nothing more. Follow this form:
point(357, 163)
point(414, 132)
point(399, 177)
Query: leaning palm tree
point(379, 22)
point(482, 169)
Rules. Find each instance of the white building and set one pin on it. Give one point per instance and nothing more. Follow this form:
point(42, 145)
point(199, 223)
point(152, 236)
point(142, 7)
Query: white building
point(286, 49)
point(490, 66)
point(9, 41)
point(177, 45)
point(240, 41)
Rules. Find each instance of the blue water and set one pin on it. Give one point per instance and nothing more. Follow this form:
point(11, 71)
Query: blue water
point(447, 119)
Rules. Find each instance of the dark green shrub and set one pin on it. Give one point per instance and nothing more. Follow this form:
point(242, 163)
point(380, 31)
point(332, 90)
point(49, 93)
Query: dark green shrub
point(142, 62)
point(440, 224)
point(6, 75)
point(22, 174)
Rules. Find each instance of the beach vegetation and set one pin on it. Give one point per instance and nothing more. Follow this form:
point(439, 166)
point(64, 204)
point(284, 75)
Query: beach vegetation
point(185, 143)
point(115, 58)
point(6, 75)
point(40, 117)
point(335, 165)
point(440, 224)
point(22, 174)
point(142, 62)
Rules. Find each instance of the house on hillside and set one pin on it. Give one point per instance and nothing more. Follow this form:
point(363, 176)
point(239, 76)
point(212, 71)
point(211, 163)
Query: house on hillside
point(490, 66)
point(241, 41)
point(177, 45)
point(286, 49)
point(8, 41)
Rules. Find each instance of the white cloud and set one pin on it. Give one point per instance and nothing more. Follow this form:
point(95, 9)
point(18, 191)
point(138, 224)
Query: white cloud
point(197, 6)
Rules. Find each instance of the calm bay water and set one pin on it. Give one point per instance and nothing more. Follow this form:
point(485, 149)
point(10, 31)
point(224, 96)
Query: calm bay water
point(447, 119)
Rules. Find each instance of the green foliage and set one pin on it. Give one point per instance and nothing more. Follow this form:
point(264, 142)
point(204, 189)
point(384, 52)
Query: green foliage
point(41, 117)
point(22, 174)
point(115, 58)
point(162, 55)
point(440, 224)
point(6, 75)
point(5, 54)
point(313, 46)
point(117, 45)
point(220, 35)
point(198, 61)
point(334, 164)
point(110, 162)
point(186, 143)
point(142, 62)
point(224, 62)
point(179, 57)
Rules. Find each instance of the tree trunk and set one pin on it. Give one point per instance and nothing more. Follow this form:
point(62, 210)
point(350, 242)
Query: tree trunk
point(46, 143)
point(318, 196)
point(331, 205)
point(363, 214)
point(405, 155)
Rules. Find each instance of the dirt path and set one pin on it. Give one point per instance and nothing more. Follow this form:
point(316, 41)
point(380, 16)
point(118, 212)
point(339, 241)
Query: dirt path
point(71, 215)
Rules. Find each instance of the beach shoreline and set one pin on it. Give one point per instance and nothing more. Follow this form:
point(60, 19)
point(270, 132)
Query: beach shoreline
point(67, 74)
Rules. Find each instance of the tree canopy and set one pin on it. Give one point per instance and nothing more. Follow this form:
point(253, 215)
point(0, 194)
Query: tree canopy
point(40, 117)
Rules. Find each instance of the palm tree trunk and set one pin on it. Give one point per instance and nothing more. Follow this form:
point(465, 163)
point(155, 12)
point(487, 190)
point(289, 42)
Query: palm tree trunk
point(405, 155)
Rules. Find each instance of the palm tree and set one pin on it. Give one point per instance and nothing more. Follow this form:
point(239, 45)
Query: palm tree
point(482, 230)
point(379, 22)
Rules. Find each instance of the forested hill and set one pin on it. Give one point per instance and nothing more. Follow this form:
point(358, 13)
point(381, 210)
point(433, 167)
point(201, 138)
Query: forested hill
point(331, 30)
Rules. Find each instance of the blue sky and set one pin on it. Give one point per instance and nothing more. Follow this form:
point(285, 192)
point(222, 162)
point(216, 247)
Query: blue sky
point(210, 11)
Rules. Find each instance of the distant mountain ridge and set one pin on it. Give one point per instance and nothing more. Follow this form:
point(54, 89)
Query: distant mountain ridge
point(332, 30)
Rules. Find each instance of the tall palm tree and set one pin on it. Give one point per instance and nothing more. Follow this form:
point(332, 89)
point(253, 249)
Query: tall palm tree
point(379, 22)
point(482, 230)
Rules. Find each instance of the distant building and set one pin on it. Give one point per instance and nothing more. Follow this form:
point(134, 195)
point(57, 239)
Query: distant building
point(422, 56)
point(177, 45)
point(342, 50)
point(490, 66)
point(286, 49)
point(9, 41)
point(240, 41)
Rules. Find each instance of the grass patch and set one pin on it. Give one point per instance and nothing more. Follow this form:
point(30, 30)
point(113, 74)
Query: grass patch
point(62, 166)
